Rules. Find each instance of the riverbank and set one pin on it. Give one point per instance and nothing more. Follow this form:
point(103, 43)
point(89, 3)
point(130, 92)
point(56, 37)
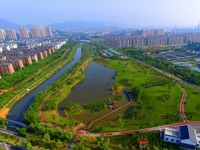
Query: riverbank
point(60, 63)
point(52, 91)
point(75, 77)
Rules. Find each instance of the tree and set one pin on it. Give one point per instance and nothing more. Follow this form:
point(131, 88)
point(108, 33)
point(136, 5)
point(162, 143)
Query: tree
point(197, 107)
point(22, 132)
point(136, 91)
point(27, 145)
point(3, 123)
point(104, 144)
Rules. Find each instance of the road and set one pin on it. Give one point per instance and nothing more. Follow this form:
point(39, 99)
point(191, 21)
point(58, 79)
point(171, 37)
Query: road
point(6, 146)
point(9, 147)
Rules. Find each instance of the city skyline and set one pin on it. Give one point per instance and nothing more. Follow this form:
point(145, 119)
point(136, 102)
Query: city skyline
point(154, 13)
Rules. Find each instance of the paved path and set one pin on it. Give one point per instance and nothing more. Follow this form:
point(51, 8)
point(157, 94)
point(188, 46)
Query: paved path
point(84, 133)
point(183, 99)
point(108, 114)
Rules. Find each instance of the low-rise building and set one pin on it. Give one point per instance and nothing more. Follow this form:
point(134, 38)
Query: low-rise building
point(186, 136)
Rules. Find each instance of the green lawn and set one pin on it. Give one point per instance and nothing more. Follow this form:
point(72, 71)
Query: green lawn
point(192, 105)
point(160, 104)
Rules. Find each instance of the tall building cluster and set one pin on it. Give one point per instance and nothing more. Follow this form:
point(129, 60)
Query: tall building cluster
point(151, 38)
point(13, 60)
point(41, 32)
point(25, 33)
point(11, 34)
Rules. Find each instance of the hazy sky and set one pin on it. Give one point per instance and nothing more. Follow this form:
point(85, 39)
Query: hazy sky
point(134, 12)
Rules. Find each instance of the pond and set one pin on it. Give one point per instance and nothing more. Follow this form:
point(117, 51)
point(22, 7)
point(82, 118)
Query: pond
point(196, 69)
point(183, 64)
point(97, 85)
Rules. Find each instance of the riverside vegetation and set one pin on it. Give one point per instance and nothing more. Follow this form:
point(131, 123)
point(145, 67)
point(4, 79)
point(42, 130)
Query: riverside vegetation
point(16, 84)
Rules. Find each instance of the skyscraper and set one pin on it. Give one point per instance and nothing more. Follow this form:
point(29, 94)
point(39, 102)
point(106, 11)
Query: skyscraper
point(11, 34)
point(198, 27)
point(24, 33)
point(2, 34)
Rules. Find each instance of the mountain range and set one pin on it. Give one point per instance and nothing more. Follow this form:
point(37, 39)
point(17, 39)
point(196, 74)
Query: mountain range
point(5, 24)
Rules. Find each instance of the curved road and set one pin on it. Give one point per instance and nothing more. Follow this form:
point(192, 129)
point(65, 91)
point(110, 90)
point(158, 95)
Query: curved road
point(185, 120)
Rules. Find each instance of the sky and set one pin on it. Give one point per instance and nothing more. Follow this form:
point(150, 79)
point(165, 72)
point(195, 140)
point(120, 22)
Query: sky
point(158, 13)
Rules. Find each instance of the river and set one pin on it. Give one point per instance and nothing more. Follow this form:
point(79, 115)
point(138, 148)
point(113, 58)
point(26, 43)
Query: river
point(17, 111)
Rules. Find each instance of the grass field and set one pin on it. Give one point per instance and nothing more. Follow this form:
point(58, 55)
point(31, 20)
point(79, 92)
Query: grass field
point(160, 104)
point(86, 117)
point(192, 105)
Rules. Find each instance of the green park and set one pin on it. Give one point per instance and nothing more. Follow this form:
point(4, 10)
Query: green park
point(155, 101)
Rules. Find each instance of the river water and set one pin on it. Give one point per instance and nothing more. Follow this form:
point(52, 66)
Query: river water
point(17, 111)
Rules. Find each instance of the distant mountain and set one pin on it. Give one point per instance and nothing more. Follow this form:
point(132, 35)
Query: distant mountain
point(5, 24)
point(30, 26)
point(96, 25)
point(82, 25)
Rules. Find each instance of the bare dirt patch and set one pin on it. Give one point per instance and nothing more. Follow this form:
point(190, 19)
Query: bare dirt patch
point(4, 112)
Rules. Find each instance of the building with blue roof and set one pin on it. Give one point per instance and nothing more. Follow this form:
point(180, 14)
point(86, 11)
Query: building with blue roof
point(186, 136)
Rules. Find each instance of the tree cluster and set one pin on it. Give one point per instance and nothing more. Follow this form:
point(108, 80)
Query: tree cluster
point(50, 138)
point(182, 72)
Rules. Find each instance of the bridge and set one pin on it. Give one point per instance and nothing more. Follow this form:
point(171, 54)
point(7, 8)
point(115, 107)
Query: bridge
point(17, 123)
point(127, 94)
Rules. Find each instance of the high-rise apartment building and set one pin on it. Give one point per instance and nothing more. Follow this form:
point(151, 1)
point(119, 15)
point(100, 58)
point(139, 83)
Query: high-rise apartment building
point(47, 31)
point(24, 33)
point(35, 32)
point(41, 32)
point(2, 34)
point(11, 34)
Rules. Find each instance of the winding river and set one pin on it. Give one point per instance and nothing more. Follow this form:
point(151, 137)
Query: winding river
point(17, 111)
